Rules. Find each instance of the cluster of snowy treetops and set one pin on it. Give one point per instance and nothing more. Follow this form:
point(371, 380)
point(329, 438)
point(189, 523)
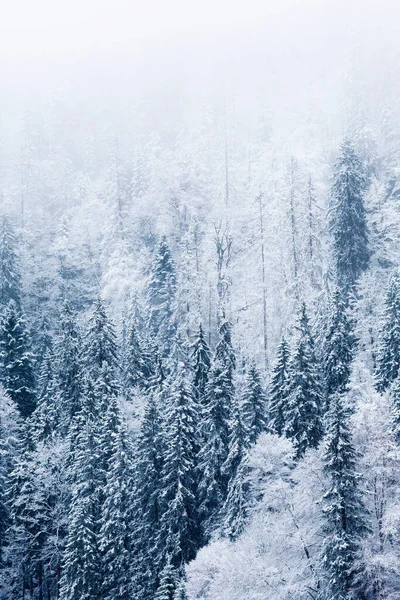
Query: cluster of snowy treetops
point(145, 454)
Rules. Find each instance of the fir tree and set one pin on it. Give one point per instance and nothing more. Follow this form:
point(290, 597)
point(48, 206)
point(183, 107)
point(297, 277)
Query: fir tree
point(214, 451)
point(100, 346)
point(224, 351)
point(16, 373)
point(304, 397)
point(161, 289)
point(46, 418)
point(115, 534)
point(254, 406)
point(395, 409)
point(147, 490)
point(178, 535)
point(136, 372)
point(30, 516)
point(348, 218)
point(4, 508)
point(10, 278)
point(278, 389)
point(389, 352)
point(344, 511)
point(180, 592)
point(235, 509)
point(338, 347)
point(168, 583)
point(68, 365)
point(201, 358)
point(81, 577)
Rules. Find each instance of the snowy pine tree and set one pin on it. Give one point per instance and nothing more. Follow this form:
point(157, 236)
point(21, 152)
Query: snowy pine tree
point(161, 289)
point(81, 577)
point(348, 224)
point(254, 406)
point(338, 347)
point(389, 351)
point(115, 535)
point(201, 357)
point(304, 396)
point(346, 523)
point(10, 276)
point(68, 365)
point(278, 388)
point(16, 371)
point(46, 417)
point(178, 535)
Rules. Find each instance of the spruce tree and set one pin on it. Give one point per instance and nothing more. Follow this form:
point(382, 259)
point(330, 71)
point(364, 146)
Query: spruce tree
point(68, 365)
point(178, 534)
point(16, 372)
point(278, 389)
point(10, 277)
point(180, 592)
point(100, 346)
point(348, 224)
point(304, 396)
point(46, 417)
point(224, 351)
point(214, 450)
point(4, 507)
point(161, 290)
point(168, 583)
point(135, 367)
point(147, 490)
point(338, 347)
point(344, 512)
point(30, 515)
point(236, 509)
point(81, 575)
point(395, 409)
point(254, 406)
point(389, 351)
point(115, 536)
point(201, 357)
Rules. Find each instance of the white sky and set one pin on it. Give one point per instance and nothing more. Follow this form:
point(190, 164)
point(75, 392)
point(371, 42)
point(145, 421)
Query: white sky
point(44, 27)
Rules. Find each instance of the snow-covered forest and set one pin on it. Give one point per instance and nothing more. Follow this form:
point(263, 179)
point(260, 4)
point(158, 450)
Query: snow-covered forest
point(200, 311)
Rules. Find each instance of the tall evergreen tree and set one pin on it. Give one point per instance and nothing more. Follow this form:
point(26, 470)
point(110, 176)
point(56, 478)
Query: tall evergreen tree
point(224, 351)
point(348, 224)
point(178, 535)
point(10, 277)
point(161, 289)
point(147, 485)
point(389, 352)
point(136, 372)
point(304, 396)
point(168, 583)
point(254, 406)
point(236, 507)
point(29, 518)
point(68, 365)
point(115, 536)
point(338, 347)
point(100, 345)
point(214, 450)
point(81, 576)
point(395, 409)
point(346, 522)
point(278, 389)
point(16, 372)
point(201, 357)
point(46, 417)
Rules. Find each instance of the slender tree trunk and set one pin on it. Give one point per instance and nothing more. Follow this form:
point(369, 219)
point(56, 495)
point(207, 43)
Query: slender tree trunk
point(264, 284)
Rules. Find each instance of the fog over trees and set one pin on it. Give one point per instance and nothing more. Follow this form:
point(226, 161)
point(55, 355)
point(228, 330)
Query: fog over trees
point(200, 301)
